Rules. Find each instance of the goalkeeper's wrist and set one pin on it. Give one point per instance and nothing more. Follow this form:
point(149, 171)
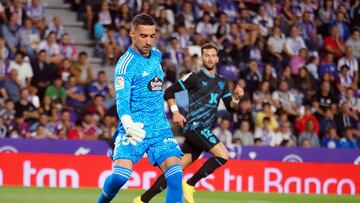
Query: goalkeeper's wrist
point(126, 121)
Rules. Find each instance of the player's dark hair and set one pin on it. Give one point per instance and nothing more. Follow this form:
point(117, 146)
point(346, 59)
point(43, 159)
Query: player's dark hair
point(208, 46)
point(142, 19)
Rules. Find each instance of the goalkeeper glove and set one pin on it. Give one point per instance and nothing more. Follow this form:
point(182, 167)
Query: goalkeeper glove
point(134, 131)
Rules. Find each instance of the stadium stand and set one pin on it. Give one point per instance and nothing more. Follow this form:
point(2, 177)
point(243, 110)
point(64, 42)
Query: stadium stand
point(296, 60)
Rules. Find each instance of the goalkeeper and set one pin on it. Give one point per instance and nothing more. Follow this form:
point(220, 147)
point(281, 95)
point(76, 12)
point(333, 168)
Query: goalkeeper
point(143, 126)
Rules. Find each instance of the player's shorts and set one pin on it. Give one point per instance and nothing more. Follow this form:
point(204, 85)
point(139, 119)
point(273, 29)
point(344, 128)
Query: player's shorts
point(158, 148)
point(199, 140)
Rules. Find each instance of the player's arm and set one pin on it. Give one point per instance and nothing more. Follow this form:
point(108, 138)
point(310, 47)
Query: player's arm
point(122, 84)
point(185, 83)
point(231, 101)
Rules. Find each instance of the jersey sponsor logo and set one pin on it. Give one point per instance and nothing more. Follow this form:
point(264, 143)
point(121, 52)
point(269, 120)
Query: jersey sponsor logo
point(119, 84)
point(156, 84)
point(221, 84)
point(213, 98)
point(204, 83)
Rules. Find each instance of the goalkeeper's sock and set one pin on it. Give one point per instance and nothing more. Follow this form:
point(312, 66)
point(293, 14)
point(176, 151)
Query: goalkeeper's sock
point(157, 187)
point(206, 169)
point(113, 183)
point(173, 176)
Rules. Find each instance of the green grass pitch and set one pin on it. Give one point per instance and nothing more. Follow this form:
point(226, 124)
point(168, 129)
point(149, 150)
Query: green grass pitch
point(46, 195)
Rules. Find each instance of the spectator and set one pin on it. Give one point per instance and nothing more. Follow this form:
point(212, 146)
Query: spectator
point(63, 71)
point(183, 37)
point(262, 95)
point(47, 107)
point(310, 134)
point(264, 21)
point(11, 32)
point(104, 15)
point(349, 141)
point(312, 67)
point(76, 132)
point(33, 96)
point(31, 37)
point(344, 79)
point(308, 31)
point(324, 99)
point(51, 47)
point(345, 118)
point(350, 61)
point(221, 29)
point(97, 106)
point(12, 85)
point(123, 40)
point(56, 91)
point(66, 49)
point(327, 121)
point(328, 66)
point(44, 72)
point(341, 25)
point(3, 128)
point(65, 121)
point(111, 48)
point(244, 134)
point(223, 132)
point(75, 95)
point(301, 123)
point(276, 44)
point(294, 42)
point(8, 113)
point(82, 70)
point(334, 44)
point(24, 69)
point(244, 113)
point(354, 43)
point(229, 7)
point(20, 128)
point(266, 113)
point(35, 11)
point(284, 99)
point(164, 25)
point(325, 16)
point(25, 108)
point(101, 87)
point(56, 27)
point(265, 133)
point(123, 17)
point(352, 101)
point(331, 139)
point(205, 27)
point(251, 76)
point(298, 61)
point(89, 130)
point(284, 133)
point(16, 6)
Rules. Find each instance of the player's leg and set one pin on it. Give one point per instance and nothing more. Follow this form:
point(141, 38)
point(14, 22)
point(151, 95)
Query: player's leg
point(120, 175)
point(125, 156)
point(166, 153)
point(191, 153)
point(206, 140)
point(219, 159)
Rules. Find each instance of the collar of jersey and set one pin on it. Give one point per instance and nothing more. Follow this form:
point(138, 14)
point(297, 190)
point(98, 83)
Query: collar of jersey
point(207, 74)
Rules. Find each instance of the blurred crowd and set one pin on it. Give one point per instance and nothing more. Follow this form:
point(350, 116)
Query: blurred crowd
point(296, 59)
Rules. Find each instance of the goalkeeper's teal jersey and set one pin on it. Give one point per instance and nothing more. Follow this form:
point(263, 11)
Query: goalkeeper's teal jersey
point(138, 83)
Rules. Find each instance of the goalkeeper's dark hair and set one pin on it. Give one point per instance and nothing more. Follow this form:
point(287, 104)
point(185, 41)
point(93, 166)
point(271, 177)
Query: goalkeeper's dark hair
point(208, 46)
point(142, 19)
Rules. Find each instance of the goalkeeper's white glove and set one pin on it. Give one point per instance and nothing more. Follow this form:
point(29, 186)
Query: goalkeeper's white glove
point(134, 131)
